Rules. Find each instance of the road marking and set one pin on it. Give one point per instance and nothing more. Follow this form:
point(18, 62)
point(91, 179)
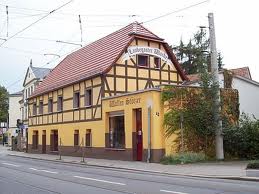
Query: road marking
point(5, 163)
point(52, 172)
point(175, 192)
point(99, 180)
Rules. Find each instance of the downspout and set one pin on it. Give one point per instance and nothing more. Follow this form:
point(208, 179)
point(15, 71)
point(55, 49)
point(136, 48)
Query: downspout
point(149, 134)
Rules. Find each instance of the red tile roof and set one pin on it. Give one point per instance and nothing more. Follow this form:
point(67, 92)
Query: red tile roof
point(243, 72)
point(95, 58)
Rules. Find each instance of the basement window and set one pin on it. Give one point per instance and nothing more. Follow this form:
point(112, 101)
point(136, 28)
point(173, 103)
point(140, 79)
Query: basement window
point(142, 60)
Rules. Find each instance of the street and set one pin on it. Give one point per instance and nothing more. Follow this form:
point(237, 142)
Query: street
point(22, 175)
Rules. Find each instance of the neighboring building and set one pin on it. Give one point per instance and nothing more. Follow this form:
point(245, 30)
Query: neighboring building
point(242, 81)
point(14, 114)
point(105, 97)
point(33, 77)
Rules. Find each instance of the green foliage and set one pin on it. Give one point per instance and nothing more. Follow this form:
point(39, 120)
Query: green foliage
point(194, 56)
point(242, 140)
point(196, 107)
point(253, 165)
point(183, 158)
point(3, 104)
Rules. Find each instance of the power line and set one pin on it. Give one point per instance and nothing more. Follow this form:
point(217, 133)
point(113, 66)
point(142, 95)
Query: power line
point(176, 11)
point(36, 21)
point(89, 15)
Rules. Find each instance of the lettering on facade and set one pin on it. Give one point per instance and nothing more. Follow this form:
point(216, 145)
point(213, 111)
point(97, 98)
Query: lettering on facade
point(135, 50)
point(127, 101)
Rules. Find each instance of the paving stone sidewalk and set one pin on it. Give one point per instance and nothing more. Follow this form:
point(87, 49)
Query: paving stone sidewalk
point(232, 170)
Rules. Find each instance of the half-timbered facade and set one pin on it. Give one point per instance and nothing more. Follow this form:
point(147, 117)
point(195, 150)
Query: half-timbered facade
point(97, 98)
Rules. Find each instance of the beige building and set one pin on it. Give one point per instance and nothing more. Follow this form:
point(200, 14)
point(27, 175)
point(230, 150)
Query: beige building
point(14, 114)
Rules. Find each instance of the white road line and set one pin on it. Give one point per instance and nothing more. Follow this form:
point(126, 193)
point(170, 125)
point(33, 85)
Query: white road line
point(5, 163)
point(99, 180)
point(175, 192)
point(52, 172)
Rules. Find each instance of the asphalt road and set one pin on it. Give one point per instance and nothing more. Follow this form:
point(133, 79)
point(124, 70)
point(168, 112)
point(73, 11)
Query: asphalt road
point(29, 176)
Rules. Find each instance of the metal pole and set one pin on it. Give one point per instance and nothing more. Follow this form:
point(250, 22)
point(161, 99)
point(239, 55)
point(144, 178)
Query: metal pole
point(83, 151)
point(181, 127)
point(149, 134)
point(216, 100)
point(59, 149)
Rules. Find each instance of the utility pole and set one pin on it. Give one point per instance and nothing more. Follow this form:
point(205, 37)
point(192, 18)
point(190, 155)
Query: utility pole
point(216, 98)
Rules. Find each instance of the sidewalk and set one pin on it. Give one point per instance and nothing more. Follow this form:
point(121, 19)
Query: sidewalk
point(225, 170)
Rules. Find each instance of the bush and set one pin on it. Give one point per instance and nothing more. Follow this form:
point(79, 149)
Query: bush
point(183, 158)
point(253, 165)
point(242, 141)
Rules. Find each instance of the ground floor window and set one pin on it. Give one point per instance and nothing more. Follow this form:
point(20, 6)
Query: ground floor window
point(116, 131)
point(54, 141)
point(76, 138)
point(35, 140)
point(88, 138)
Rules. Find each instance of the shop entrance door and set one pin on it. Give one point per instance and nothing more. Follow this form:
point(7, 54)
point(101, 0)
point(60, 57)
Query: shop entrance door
point(139, 134)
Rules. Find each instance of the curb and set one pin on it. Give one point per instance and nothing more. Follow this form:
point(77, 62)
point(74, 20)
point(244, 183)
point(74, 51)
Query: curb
point(255, 179)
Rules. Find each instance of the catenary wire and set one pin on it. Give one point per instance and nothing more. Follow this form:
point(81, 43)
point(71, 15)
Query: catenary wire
point(176, 11)
point(35, 22)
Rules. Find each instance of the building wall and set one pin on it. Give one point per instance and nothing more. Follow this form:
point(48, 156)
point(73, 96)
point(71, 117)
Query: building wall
point(14, 110)
point(100, 129)
point(69, 113)
point(124, 77)
point(248, 96)
point(127, 76)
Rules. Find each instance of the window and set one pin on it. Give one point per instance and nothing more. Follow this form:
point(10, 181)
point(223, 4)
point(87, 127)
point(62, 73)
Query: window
point(76, 138)
point(143, 60)
point(41, 107)
point(29, 92)
point(31, 89)
point(50, 106)
point(76, 99)
point(35, 138)
point(88, 138)
point(157, 62)
point(34, 109)
point(117, 132)
point(88, 97)
point(60, 103)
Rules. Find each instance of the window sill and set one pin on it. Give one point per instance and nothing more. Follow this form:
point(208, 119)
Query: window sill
point(116, 149)
point(88, 106)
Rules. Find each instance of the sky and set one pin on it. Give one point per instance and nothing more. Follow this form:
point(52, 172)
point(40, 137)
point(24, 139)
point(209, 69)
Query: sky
point(236, 28)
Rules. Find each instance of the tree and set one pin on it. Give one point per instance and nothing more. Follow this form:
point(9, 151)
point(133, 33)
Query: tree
point(194, 57)
point(3, 104)
point(196, 107)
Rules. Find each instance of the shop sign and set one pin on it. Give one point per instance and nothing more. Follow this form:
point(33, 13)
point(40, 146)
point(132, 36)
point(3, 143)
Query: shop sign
point(124, 102)
point(135, 50)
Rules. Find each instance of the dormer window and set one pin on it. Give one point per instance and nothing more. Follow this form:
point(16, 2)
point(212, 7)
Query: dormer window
point(142, 60)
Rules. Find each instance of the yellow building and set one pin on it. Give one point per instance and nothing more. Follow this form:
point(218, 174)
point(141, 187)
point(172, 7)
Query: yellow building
point(106, 99)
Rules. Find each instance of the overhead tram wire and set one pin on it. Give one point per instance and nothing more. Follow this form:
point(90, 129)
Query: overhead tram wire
point(176, 11)
point(36, 22)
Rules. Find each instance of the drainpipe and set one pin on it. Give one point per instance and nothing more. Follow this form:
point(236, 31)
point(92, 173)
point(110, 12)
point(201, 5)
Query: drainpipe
point(149, 134)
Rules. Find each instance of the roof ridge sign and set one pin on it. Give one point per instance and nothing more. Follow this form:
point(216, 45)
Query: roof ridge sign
point(136, 50)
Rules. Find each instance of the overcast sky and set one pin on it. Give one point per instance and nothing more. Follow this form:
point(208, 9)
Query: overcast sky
point(235, 22)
